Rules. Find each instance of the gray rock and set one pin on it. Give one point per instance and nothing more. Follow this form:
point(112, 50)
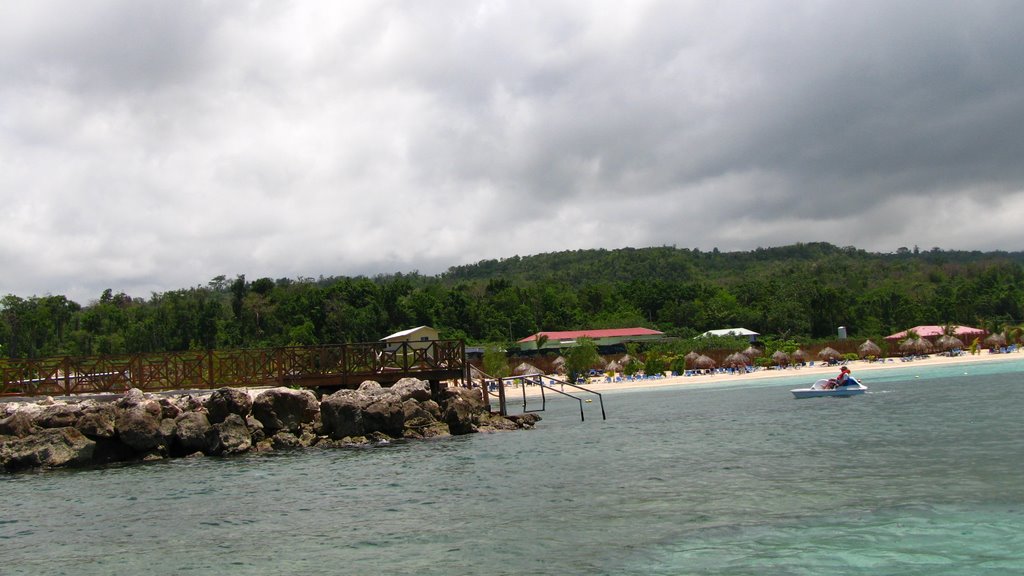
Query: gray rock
point(342, 414)
point(461, 414)
point(132, 397)
point(58, 416)
point(47, 448)
point(285, 409)
point(226, 401)
point(433, 407)
point(369, 386)
point(414, 388)
point(384, 415)
point(233, 435)
point(421, 422)
point(255, 429)
point(169, 408)
point(193, 432)
point(462, 408)
point(284, 440)
point(18, 424)
point(526, 420)
point(97, 421)
point(139, 429)
point(495, 423)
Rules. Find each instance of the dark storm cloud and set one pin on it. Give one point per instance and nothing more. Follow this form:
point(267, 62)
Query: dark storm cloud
point(151, 146)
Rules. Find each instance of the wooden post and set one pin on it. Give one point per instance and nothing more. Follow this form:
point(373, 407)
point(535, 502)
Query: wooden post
point(484, 392)
point(502, 410)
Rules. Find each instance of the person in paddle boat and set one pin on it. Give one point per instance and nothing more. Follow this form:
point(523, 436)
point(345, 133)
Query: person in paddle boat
point(842, 380)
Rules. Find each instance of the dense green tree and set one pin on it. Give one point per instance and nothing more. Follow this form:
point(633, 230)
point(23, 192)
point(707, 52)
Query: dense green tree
point(581, 358)
point(791, 292)
point(495, 361)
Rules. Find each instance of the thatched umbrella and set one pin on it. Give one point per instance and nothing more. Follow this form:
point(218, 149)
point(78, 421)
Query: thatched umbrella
point(780, 358)
point(526, 368)
point(800, 356)
point(703, 362)
point(916, 345)
point(558, 362)
point(869, 348)
point(752, 352)
point(736, 359)
point(613, 366)
point(829, 353)
point(947, 342)
point(995, 340)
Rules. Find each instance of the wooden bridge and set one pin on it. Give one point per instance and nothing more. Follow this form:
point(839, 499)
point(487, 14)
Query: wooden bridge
point(319, 367)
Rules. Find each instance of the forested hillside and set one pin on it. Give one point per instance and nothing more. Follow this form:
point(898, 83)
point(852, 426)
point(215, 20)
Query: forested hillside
point(804, 291)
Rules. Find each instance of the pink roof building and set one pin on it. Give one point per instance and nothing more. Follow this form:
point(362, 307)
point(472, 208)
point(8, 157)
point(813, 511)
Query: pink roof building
point(604, 337)
point(932, 331)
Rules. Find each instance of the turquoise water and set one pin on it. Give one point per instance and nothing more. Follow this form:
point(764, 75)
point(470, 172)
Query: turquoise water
point(921, 475)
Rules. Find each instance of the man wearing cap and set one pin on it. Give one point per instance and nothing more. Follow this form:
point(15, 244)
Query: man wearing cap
point(842, 379)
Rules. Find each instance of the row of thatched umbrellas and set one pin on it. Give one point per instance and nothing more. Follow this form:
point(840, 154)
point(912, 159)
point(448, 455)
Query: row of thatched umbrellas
point(699, 361)
point(946, 342)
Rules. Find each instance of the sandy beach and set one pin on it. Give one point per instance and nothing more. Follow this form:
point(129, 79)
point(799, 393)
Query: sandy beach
point(858, 368)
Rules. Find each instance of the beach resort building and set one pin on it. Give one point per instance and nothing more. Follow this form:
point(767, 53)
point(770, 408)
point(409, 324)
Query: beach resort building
point(422, 334)
point(741, 332)
point(965, 333)
point(605, 338)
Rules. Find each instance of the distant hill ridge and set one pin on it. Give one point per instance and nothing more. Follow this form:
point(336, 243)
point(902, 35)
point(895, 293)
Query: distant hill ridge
point(671, 264)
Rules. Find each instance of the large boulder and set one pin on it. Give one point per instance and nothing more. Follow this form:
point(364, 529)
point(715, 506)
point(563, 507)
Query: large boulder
point(342, 413)
point(131, 398)
point(233, 435)
point(225, 401)
point(58, 416)
point(349, 413)
point(139, 428)
point(414, 388)
point(47, 448)
point(384, 414)
point(421, 422)
point(285, 409)
point(18, 424)
point(98, 421)
point(194, 433)
point(462, 409)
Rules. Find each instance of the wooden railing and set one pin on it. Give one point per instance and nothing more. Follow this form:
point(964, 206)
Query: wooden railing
point(340, 365)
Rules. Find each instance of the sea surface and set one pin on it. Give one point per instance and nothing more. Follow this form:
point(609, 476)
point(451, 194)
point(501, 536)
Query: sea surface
point(924, 474)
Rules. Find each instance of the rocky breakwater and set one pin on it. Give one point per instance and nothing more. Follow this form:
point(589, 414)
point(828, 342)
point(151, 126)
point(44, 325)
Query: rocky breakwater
point(138, 426)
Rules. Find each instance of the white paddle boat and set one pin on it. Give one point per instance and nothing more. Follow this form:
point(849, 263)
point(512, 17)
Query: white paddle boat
point(821, 388)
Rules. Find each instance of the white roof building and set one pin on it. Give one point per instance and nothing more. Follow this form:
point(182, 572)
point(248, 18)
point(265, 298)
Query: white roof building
point(417, 334)
point(733, 332)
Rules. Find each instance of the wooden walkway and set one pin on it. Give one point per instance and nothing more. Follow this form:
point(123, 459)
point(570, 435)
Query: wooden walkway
point(320, 367)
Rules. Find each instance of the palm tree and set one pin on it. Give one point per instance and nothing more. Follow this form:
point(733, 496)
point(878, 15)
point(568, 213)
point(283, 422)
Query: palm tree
point(542, 339)
point(1014, 333)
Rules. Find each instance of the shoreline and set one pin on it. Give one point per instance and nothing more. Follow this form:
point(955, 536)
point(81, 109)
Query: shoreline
point(811, 372)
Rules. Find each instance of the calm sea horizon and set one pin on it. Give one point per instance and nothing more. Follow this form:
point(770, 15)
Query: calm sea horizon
point(921, 475)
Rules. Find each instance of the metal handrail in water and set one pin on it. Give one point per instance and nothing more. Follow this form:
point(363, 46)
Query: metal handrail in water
point(539, 380)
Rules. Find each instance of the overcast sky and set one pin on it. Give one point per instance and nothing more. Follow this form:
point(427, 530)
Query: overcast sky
point(151, 146)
